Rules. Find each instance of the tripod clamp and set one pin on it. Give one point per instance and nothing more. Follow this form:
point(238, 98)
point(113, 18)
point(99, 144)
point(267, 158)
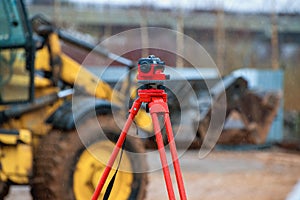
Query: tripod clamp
point(156, 99)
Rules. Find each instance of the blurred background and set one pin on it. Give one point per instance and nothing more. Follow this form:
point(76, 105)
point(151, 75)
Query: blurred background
point(253, 34)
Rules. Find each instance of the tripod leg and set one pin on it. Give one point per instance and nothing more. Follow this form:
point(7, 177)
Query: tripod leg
point(163, 158)
point(133, 111)
point(174, 157)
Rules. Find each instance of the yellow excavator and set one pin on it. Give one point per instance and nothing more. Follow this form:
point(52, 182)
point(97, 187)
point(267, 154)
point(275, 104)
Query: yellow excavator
point(43, 143)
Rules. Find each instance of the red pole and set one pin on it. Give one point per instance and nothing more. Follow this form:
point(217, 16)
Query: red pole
point(176, 165)
point(163, 158)
point(133, 111)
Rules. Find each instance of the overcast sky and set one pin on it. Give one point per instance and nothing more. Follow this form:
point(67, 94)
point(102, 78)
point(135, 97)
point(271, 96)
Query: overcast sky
point(262, 6)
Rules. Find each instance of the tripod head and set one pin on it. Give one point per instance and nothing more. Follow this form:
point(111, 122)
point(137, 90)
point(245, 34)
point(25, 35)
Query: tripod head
point(151, 71)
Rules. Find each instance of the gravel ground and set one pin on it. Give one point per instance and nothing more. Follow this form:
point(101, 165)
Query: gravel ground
point(222, 175)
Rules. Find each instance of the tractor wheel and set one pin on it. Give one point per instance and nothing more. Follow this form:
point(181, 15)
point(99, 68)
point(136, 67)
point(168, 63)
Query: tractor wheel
point(4, 189)
point(66, 169)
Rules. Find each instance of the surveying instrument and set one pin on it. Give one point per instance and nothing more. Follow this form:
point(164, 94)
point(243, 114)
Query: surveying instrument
point(152, 93)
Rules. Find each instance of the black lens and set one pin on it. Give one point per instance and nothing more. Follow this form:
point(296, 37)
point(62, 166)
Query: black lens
point(145, 66)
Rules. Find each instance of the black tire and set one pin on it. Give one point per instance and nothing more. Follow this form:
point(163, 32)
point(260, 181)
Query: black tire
point(59, 152)
point(4, 189)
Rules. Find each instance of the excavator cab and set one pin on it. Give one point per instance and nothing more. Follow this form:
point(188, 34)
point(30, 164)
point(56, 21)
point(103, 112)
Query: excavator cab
point(16, 54)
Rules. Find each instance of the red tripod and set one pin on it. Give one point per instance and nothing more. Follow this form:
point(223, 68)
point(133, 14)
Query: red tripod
point(157, 103)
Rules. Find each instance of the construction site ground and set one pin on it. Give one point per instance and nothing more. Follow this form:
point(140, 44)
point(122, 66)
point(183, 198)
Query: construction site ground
point(228, 175)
